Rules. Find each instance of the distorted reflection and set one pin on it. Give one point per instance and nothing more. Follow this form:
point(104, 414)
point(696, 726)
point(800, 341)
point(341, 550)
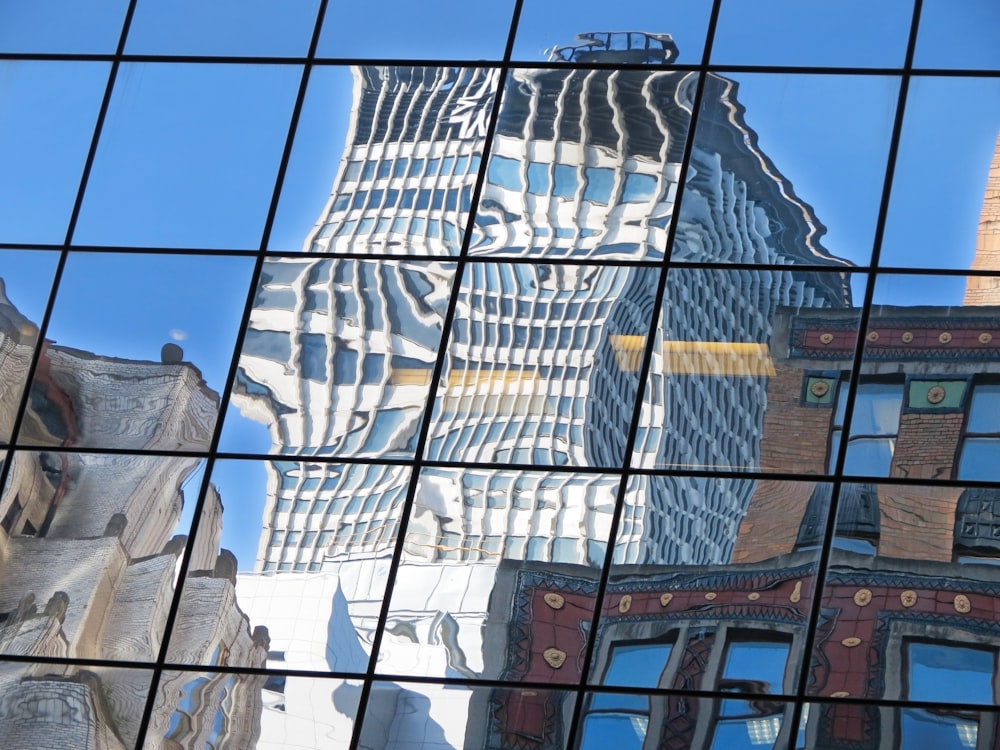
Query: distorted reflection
point(438, 717)
point(498, 574)
point(98, 384)
point(73, 707)
point(338, 356)
point(917, 601)
point(217, 709)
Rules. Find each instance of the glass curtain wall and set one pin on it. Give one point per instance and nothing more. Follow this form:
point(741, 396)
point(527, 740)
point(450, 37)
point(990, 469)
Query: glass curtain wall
point(511, 376)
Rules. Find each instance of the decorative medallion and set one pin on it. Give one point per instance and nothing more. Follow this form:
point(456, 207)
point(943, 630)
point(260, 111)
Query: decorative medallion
point(711, 595)
point(935, 394)
point(907, 337)
point(840, 694)
point(945, 337)
point(556, 601)
point(625, 603)
point(851, 642)
point(962, 604)
point(796, 592)
point(819, 388)
point(665, 599)
point(872, 336)
point(985, 338)
point(908, 598)
point(826, 338)
point(554, 657)
point(862, 597)
point(753, 596)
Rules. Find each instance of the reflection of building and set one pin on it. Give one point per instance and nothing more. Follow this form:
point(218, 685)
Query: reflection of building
point(543, 359)
point(585, 164)
point(87, 562)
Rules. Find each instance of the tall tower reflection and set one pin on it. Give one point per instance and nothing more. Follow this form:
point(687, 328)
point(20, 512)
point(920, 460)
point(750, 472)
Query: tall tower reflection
point(542, 365)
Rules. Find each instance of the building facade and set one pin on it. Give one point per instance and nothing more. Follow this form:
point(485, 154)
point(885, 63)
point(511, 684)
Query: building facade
point(611, 396)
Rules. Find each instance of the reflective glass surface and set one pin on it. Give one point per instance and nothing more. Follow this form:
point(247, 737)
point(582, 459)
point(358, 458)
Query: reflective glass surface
point(788, 32)
point(950, 35)
point(188, 155)
point(222, 27)
point(219, 709)
point(743, 369)
point(338, 357)
point(92, 547)
point(47, 115)
point(639, 387)
point(545, 30)
point(498, 575)
point(25, 282)
point(816, 199)
point(538, 368)
point(961, 207)
point(929, 561)
point(404, 182)
point(62, 26)
point(71, 706)
point(397, 29)
point(584, 164)
point(114, 372)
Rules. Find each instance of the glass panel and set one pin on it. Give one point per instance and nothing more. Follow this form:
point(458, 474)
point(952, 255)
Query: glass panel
point(943, 728)
point(188, 155)
point(931, 344)
point(950, 674)
point(546, 31)
point(321, 141)
point(958, 36)
point(979, 459)
point(783, 185)
point(46, 125)
point(714, 579)
point(62, 26)
point(755, 667)
point(118, 376)
point(91, 552)
point(445, 30)
point(390, 195)
point(222, 27)
point(585, 164)
point(740, 356)
point(539, 367)
point(911, 617)
point(850, 33)
point(338, 357)
point(984, 409)
point(512, 559)
point(681, 721)
point(305, 552)
point(217, 709)
point(25, 284)
point(962, 233)
point(62, 705)
point(439, 717)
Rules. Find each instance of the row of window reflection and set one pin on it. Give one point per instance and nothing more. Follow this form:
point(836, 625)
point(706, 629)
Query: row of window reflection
point(370, 200)
point(413, 167)
point(564, 181)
